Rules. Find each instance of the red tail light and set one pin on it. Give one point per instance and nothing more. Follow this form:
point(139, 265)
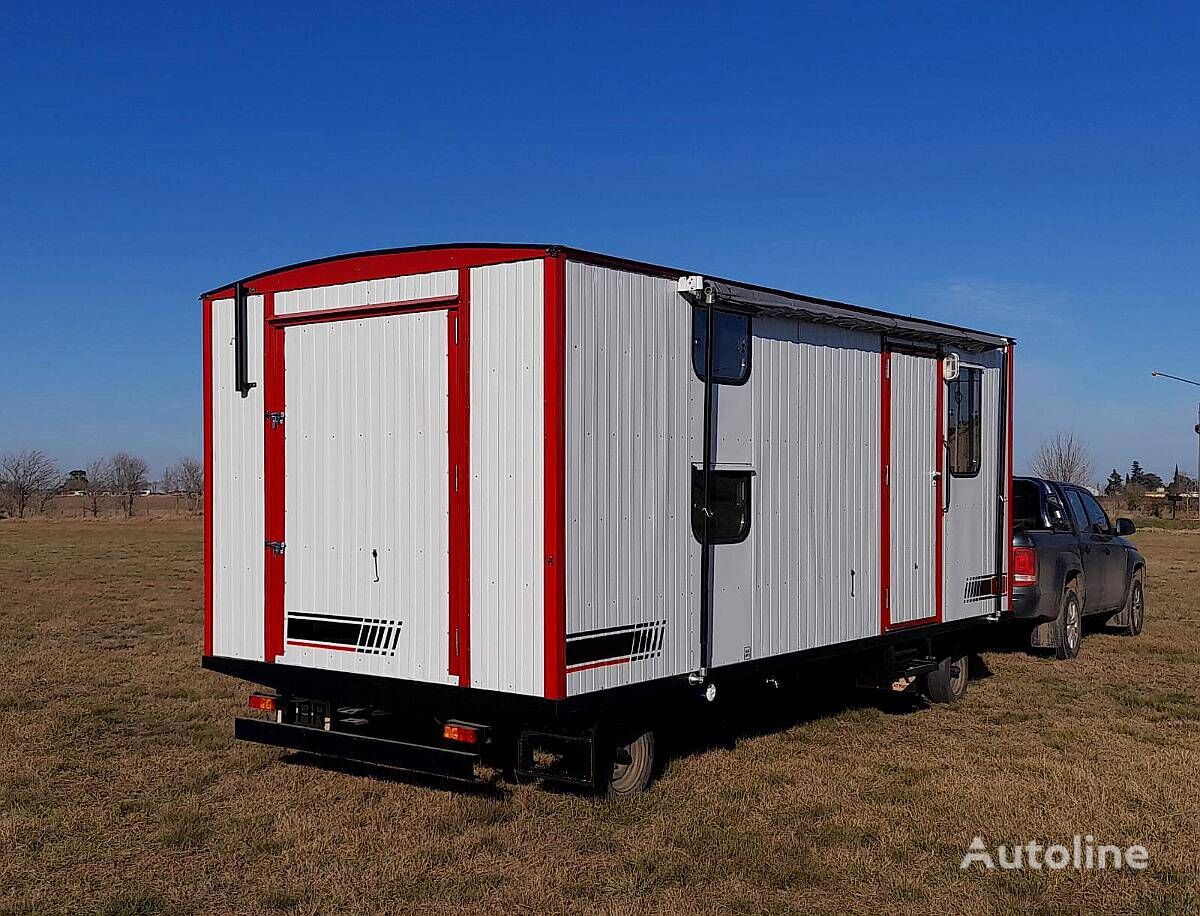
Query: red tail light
point(263, 701)
point(1025, 567)
point(463, 733)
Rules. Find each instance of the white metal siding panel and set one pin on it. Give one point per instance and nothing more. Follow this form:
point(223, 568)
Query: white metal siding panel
point(366, 469)
point(507, 477)
point(237, 488)
point(972, 525)
point(914, 499)
point(817, 491)
point(367, 292)
point(631, 557)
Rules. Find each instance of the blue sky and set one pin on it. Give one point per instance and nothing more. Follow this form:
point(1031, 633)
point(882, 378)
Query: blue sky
point(1025, 168)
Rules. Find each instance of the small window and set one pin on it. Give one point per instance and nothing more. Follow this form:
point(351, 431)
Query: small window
point(729, 506)
point(1027, 506)
point(1078, 511)
point(1057, 511)
point(731, 355)
point(964, 422)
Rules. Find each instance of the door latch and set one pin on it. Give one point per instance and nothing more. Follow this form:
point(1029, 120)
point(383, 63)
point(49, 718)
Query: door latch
point(275, 417)
point(276, 547)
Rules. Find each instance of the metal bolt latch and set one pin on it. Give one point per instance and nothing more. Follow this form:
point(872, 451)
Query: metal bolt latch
point(276, 547)
point(275, 417)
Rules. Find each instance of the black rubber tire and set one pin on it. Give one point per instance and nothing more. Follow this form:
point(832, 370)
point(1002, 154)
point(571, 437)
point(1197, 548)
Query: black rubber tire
point(948, 682)
point(1137, 607)
point(632, 767)
point(1070, 626)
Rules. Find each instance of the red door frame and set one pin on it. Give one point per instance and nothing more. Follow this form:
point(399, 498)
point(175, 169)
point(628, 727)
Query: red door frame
point(457, 309)
point(885, 489)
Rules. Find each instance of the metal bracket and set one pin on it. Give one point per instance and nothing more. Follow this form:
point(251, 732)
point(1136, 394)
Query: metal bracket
point(692, 284)
point(276, 547)
point(275, 417)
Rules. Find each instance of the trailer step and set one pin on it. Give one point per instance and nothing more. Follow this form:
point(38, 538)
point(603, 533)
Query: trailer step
point(418, 757)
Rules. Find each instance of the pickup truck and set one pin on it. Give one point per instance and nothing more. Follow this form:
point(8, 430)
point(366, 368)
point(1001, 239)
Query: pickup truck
point(1069, 561)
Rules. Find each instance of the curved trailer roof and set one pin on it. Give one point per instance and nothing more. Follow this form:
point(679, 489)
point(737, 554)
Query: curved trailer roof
point(749, 296)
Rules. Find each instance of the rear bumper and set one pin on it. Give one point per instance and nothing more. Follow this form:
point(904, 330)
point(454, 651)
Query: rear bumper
point(1028, 605)
point(419, 757)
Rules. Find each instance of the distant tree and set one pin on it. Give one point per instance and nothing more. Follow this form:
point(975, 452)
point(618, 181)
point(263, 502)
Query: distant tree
point(186, 476)
point(1064, 458)
point(1134, 492)
point(1135, 475)
point(75, 481)
point(130, 478)
point(1115, 484)
point(98, 481)
point(28, 474)
point(1152, 482)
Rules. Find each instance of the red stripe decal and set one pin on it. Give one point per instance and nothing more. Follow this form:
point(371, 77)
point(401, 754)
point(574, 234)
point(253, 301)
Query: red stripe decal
point(885, 502)
point(555, 605)
point(206, 312)
point(1008, 501)
point(458, 330)
point(274, 442)
point(607, 664)
point(321, 645)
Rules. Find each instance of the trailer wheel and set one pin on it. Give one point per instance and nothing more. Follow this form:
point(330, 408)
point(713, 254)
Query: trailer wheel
point(948, 682)
point(1137, 607)
point(1070, 626)
point(632, 767)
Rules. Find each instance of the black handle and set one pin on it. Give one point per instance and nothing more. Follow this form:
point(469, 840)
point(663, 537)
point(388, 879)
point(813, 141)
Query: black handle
point(375, 557)
point(241, 344)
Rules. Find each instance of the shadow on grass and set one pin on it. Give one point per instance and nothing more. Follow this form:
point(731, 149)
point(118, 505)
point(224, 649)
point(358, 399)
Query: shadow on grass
point(489, 788)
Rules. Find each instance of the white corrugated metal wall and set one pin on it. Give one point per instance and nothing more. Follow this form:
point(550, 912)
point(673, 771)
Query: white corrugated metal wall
point(366, 470)
point(237, 487)
point(631, 409)
point(817, 491)
point(507, 477)
point(367, 292)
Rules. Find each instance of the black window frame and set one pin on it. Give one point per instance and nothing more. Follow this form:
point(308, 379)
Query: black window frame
point(699, 335)
point(719, 477)
point(973, 376)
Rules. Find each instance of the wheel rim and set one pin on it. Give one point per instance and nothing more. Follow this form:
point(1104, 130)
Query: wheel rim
point(958, 676)
point(1073, 628)
point(628, 764)
point(1137, 612)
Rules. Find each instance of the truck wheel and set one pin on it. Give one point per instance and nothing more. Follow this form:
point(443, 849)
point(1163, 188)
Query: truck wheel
point(948, 682)
point(1137, 607)
point(1070, 626)
point(632, 767)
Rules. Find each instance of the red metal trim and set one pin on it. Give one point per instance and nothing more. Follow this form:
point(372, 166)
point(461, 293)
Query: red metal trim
point(274, 455)
point(607, 664)
point(349, 313)
point(206, 313)
point(458, 329)
point(885, 489)
point(321, 645)
point(1008, 497)
point(555, 599)
point(938, 515)
point(375, 266)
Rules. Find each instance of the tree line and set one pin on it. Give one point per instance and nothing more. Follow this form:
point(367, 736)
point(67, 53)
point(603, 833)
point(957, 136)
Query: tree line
point(30, 480)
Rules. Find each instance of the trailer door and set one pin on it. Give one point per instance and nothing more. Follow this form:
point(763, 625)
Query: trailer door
point(912, 526)
point(367, 502)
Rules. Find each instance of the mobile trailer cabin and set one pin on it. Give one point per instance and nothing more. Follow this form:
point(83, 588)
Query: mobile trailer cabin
point(511, 502)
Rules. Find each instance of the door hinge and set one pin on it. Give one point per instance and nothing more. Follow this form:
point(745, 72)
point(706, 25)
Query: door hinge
point(276, 547)
point(275, 417)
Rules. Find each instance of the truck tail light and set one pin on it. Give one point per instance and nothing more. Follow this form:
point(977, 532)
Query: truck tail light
point(464, 733)
point(265, 702)
point(1025, 571)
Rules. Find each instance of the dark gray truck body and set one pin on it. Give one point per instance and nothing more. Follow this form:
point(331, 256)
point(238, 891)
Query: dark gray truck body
point(1076, 544)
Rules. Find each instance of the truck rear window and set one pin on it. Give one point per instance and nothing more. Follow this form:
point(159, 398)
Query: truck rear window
point(1027, 506)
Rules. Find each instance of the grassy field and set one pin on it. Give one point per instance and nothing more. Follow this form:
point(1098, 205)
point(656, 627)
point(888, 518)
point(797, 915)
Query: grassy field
point(122, 790)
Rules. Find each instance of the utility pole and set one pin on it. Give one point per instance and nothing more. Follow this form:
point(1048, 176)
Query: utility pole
point(1189, 381)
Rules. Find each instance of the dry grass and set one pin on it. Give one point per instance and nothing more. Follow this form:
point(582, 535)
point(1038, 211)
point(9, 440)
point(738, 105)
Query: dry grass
point(122, 791)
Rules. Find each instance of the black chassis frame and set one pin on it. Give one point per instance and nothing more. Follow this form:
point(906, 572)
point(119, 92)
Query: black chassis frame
point(592, 717)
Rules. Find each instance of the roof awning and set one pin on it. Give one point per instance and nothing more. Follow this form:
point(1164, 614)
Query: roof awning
point(769, 303)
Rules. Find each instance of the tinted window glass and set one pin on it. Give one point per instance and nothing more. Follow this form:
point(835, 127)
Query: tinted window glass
point(964, 422)
point(729, 506)
point(731, 354)
point(1027, 505)
point(1077, 510)
point(1097, 517)
point(1057, 512)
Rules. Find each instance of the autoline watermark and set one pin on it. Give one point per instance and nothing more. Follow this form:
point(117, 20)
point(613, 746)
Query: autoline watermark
point(1083, 853)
